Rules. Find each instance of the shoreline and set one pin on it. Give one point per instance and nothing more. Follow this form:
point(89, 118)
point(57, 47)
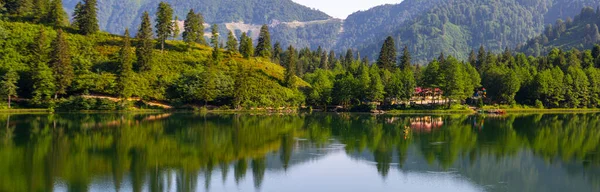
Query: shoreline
point(390, 112)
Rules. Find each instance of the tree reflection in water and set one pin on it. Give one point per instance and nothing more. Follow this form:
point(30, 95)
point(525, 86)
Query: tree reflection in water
point(158, 152)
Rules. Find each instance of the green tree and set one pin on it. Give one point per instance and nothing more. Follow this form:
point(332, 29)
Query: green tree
point(164, 23)
point(405, 62)
point(387, 55)
point(216, 52)
point(191, 28)
point(144, 45)
point(376, 92)
point(232, 43)
point(577, 88)
point(40, 8)
point(86, 18)
point(263, 48)
point(277, 51)
point(125, 70)
point(453, 73)
point(324, 62)
point(320, 93)
point(43, 83)
point(176, 29)
point(246, 48)
point(60, 62)
point(432, 76)
point(290, 70)
point(56, 14)
point(200, 33)
point(9, 85)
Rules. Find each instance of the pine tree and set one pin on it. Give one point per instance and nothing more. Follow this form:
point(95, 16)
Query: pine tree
point(472, 58)
point(89, 21)
point(277, 50)
point(40, 8)
point(387, 55)
point(232, 44)
point(481, 57)
point(164, 23)
point(125, 70)
point(144, 46)
point(246, 47)
point(200, 32)
point(324, 63)
point(176, 29)
point(56, 14)
point(191, 28)
point(60, 62)
point(348, 59)
point(78, 14)
point(290, 64)
point(331, 58)
point(9, 85)
point(405, 62)
point(41, 74)
point(214, 40)
point(40, 48)
point(43, 83)
point(263, 48)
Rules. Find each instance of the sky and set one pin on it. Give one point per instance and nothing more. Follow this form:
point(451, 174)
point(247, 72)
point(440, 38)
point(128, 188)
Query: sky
point(342, 8)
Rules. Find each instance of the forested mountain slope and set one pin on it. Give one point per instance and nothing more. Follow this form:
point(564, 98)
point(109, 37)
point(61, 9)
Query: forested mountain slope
point(456, 27)
point(579, 33)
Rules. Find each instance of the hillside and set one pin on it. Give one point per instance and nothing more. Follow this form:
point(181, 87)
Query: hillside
point(579, 33)
point(176, 74)
point(235, 15)
point(430, 27)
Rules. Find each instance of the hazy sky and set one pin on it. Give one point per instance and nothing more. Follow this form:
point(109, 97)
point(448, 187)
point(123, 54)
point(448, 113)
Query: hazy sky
point(342, 8)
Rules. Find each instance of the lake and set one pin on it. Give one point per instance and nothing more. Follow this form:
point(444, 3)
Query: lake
point(299, 152)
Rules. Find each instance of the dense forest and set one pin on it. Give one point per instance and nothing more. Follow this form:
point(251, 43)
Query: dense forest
point(580, 33)
point(47, 60)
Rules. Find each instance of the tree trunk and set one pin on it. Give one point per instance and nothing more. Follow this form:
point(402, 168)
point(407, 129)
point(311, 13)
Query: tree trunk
point(162, 46)
point(55, 96)
point(9, 102)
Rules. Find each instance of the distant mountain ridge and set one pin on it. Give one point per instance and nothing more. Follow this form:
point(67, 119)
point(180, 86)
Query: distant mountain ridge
point(426, 27)
point(581, 32)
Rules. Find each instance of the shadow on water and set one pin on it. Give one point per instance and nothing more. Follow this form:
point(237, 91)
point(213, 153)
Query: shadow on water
point(160, 152)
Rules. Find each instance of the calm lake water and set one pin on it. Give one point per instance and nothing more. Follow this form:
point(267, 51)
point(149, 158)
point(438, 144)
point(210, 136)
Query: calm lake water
point(318, 152)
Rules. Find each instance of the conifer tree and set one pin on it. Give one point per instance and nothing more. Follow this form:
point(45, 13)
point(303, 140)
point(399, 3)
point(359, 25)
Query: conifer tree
point(78, 13)
point(472, 58)
point(164, 23)
point(324, 63)
point(246, 47)
point(60, 62)
point(263, 48)
point(232, 44)
point(200, 32)
point(125, 70)
point(348, 59)
point(176, 30)
point(290, 64)
point(277, 50)
point(405, 62)
point(43, 83)
point(40, 8)
point(214, 40)
point(9, 85)
point(88, 23)
point(191, 28)
point(331, 58)
point(387, 55)
point(56, 14)
point(144, 46)
point(41, 74)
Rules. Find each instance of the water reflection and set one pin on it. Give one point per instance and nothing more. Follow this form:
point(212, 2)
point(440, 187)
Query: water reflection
point(319, 152)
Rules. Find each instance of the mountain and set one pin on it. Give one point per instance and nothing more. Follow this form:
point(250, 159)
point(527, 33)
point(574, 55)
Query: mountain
point(580, 33)
point(291, 23)
point(456, 27)
point(426, 27)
